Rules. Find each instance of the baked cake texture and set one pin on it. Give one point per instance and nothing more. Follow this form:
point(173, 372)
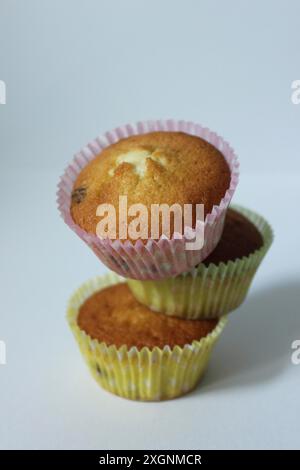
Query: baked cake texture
point(240, 238)
point(113, 316)
point(153, 168)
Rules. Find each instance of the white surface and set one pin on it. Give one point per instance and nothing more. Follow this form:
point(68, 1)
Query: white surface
point(229, 67)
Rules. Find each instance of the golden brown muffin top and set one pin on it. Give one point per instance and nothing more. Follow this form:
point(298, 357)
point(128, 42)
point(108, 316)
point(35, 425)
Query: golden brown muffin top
point(240, 238)
point(112, 315)
point(153, 168)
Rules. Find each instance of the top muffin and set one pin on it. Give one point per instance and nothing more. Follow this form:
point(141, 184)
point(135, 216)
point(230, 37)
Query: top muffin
point(153, 168)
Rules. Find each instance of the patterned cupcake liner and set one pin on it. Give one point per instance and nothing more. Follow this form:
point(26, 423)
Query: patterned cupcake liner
point(206, 291)
point(146, 374)
point(155, 259)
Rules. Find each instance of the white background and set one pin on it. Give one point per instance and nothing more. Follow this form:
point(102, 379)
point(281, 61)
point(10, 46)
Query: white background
point(75, 69)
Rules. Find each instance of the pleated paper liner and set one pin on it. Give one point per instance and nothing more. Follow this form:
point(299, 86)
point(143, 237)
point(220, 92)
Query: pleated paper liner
point(206, 291)
point(155, 259)
point(156, 374)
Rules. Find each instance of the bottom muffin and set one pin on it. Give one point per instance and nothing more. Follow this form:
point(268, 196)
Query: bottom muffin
point(134, 352)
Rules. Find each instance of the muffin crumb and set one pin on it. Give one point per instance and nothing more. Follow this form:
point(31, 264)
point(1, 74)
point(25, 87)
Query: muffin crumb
point(113, 316)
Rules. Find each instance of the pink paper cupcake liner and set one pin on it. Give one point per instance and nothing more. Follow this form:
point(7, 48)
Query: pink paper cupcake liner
point(164, 257)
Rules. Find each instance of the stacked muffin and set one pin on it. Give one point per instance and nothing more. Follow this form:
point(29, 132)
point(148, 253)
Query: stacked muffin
point(150, 336)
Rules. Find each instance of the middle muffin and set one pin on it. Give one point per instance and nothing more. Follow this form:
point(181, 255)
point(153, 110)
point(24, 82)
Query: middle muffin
point(220, 283)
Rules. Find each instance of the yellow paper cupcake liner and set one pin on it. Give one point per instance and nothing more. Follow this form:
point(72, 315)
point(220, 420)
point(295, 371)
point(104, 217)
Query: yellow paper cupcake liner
point(146, 374)
point(206, 291)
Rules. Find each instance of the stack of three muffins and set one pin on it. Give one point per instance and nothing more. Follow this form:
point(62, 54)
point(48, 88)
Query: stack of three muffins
point(150, 338)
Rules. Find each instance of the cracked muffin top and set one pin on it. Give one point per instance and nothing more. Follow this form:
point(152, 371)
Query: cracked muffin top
point(113, 316)
point(153, 168)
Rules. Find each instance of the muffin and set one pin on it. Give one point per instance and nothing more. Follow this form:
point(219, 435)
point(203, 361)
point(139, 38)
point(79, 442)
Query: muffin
point(154, 168)
point(220, 283)
point(172, 163)
point(134, 352)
